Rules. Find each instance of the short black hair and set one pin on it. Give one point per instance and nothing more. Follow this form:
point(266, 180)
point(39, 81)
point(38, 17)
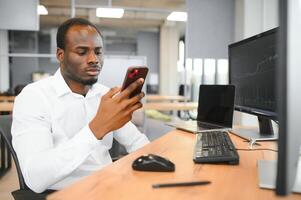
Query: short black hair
point(65, 26)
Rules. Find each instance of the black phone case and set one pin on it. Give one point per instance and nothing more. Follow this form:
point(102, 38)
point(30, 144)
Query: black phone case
point(133, 74)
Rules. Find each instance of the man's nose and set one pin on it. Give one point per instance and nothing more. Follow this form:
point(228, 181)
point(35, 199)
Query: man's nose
point(92, 58)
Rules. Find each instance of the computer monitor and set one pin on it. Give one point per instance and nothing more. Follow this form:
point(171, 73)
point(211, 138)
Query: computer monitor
point(252, 67)
point(285, 174)
point(289, 95)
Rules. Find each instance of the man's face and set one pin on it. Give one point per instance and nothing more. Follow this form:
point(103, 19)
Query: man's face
point(82, 59)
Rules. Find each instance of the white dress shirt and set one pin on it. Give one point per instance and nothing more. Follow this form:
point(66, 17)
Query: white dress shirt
point(51, 136)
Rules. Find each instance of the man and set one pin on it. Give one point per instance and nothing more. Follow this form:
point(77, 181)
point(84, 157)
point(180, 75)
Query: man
point(62, 126)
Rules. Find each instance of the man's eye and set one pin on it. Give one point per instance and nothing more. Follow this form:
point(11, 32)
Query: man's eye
point(98, 53)
point(81, 53)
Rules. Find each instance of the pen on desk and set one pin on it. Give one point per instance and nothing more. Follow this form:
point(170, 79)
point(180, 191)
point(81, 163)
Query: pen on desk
point(180, 184)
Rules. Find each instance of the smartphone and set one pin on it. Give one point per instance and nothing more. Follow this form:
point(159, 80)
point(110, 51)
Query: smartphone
point(133, 74)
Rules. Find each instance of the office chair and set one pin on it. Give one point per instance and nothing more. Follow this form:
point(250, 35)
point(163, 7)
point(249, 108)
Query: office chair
point(5, 156)
point(117, 151)
point(24, 193)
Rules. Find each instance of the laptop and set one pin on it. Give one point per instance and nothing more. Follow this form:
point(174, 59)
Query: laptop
point(215, 110)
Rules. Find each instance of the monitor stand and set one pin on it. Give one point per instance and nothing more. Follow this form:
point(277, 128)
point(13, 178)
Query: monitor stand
point(267, 170)
point(265, 132)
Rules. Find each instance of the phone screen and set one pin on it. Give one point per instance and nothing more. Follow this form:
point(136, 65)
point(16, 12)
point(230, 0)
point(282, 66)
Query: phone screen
point(133, 74)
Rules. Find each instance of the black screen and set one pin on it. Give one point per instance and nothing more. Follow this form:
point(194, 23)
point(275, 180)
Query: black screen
point(216, 104)
point(253, 71)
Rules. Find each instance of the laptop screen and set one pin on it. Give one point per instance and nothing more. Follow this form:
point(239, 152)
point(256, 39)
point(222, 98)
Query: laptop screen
point(216, 104)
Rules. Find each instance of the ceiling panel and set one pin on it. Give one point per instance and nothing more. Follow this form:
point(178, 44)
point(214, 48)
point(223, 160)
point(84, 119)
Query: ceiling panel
point(149, 13)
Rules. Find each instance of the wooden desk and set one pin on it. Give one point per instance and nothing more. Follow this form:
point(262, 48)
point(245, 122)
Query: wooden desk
point(164, 98)
point(7, 98)
point(6, 106)
point(119, 181)
point(167, 106)
point(162, 106)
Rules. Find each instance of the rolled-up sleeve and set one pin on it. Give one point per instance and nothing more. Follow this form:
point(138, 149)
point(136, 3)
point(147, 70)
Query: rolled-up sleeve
point(42, 163)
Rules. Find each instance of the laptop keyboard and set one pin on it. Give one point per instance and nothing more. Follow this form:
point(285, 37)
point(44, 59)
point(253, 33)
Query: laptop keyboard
point(215, 147)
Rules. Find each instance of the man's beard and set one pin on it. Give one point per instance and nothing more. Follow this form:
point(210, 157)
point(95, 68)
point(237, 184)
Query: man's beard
point(88, 82)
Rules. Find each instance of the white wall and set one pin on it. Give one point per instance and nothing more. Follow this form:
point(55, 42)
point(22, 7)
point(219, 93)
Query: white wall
point(254, 16)
point(210, 28)
point(270, 14)
point(19, 15)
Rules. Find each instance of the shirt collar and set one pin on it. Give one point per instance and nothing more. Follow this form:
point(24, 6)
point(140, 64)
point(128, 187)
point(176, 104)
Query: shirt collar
point(95, 90)
point(62, 88)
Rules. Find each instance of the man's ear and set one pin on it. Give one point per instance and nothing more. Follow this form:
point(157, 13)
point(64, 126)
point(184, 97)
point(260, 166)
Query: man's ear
point(60, 54)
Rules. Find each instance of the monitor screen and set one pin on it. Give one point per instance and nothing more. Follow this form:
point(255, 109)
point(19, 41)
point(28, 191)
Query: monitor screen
point(216, 104)
point(253, 71)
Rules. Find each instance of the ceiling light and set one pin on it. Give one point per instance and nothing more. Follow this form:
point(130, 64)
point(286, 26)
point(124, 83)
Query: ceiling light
point(109, 12)
point(177, 16)
point(42, 10)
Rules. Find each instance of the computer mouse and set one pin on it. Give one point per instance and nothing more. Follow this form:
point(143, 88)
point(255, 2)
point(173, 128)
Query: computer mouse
point(153, 163)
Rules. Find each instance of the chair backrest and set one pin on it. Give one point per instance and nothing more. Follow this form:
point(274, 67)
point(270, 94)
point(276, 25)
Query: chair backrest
point(181, 90)
point(5, 132)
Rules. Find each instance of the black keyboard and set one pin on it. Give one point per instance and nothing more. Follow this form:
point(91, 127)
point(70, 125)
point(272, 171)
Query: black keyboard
point(215, 147)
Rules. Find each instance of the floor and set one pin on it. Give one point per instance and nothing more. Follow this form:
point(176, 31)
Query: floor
point(9, 182)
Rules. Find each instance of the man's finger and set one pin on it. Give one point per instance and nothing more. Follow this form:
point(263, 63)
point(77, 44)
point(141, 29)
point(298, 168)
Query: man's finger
point(113, 91)
point(126, 93)
point(135, 107)
point(136, 98)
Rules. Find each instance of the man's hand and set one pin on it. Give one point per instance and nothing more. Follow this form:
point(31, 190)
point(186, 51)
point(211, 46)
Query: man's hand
point(115, 111)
